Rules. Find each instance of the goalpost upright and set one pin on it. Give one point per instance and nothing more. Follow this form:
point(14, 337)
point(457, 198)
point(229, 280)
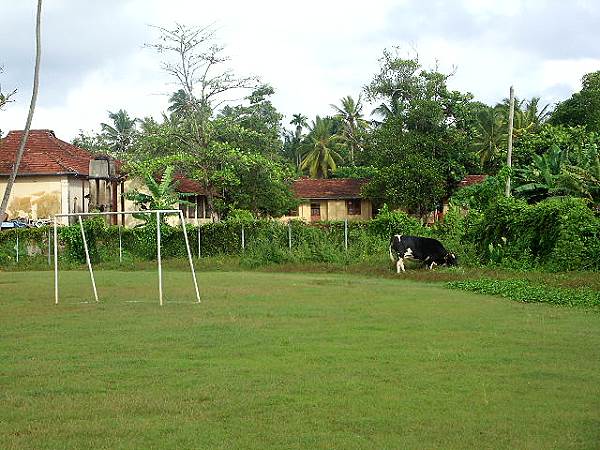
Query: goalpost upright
point(158, 213)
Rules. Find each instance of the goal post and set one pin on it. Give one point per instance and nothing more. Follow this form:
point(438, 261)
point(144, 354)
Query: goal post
point(159, 213)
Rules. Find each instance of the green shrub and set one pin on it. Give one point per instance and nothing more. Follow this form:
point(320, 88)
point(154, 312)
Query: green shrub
point(527, 292)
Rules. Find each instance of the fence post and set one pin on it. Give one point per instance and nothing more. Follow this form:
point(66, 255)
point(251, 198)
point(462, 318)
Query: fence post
point(199, 246)
point(290, 234)
point(49, 247)
point(243, 238)
point(120, 247)
point(346, 234)
point(17, 246)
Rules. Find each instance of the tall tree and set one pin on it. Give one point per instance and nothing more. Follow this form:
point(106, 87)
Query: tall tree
point(490, 137)
point(350, 112)
point(321, 148)
point(119, 136)
point(583, 108)
point(36, 82)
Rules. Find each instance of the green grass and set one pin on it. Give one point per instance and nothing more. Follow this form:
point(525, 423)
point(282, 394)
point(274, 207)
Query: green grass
point(290, 361)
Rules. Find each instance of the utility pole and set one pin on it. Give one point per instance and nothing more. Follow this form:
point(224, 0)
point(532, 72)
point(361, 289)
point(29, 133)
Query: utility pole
point(511, 118)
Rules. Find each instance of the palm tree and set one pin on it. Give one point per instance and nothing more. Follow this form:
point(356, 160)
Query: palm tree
point(321, 149)
point(394, 109)
point(36, 83)
point(301, 122)
point(490, 135)
point(119, 135)
point(350, 112)
point(180, 103)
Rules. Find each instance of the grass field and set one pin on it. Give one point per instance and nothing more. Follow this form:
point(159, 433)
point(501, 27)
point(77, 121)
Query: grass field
point(290, 361)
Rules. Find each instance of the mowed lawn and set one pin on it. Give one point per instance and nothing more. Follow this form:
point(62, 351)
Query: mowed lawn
point(290, 361)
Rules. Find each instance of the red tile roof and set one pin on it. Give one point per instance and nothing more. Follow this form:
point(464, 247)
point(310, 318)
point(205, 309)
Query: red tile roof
point(45, 154)
point(328, 188)
point(472, 179)
point(185, 185)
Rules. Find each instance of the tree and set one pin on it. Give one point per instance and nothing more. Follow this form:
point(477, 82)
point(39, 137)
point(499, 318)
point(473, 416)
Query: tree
point(421, 117)
point(292, 148)
point(415, 184)
point(120, 135)
point(93, 143)
point(350, 112)
point(36, 82)
point(583, 108)
point(197, 63)
point(5, 98)
point(255, 127)
point(490, 137)
point(162, 194)
point(552, 174)
point(321, 149)
point(263, 186)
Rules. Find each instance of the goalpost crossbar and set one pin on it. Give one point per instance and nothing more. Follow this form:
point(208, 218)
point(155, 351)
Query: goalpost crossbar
point(158, 213)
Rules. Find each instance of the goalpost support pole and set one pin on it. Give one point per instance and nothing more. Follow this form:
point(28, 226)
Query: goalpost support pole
point(87, 254)
point(55, 263)
point(87, 257)
point(189, 254)
point(160, 290)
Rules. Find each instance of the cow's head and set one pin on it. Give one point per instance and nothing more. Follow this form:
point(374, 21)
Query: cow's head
point(451, 259)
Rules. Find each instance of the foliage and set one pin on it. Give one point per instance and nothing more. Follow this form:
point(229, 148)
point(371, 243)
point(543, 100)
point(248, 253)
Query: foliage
point(263, 187)
point(557, 233)
point(527, 292)
point(321, 148)
point(161, 194)
point(354, 172)
point(583, 108)
point(551, 174)
point(355, 126)
point(414, 183)
point(119, 136)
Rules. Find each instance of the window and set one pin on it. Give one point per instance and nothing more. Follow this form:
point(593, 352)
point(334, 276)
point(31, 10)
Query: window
point(293, 212)
point(315, 211)
point(196, 204)
point(353, 207)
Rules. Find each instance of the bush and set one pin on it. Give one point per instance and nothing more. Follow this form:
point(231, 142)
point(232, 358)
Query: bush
point(527, 292)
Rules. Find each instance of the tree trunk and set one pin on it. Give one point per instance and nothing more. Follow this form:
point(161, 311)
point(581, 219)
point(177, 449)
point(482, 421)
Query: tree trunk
point(36, 80)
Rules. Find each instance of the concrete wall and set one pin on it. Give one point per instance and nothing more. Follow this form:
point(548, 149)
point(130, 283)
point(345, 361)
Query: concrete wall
point(36, 197)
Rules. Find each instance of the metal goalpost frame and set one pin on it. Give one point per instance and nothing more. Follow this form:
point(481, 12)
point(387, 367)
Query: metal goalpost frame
point(158, 213)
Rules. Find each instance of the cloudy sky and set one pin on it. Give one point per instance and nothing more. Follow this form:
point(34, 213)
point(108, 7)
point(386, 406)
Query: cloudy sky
point(312, 52)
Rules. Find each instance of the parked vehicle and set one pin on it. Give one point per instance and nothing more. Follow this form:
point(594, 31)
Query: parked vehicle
point(12, 224)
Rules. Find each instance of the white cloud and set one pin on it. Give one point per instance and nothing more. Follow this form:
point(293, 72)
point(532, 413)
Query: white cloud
point(313, 52)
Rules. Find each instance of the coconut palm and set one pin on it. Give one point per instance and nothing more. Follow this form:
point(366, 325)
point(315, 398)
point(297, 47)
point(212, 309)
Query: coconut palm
point(385, 111)
point(490, 135)
point(350, 112)
point(321, 155)
point(180, 103)
point(119, 135)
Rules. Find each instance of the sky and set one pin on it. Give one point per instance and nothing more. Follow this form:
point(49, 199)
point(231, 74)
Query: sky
point(312, 52)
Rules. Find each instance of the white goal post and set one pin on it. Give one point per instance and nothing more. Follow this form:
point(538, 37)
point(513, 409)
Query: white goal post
point(158, 213)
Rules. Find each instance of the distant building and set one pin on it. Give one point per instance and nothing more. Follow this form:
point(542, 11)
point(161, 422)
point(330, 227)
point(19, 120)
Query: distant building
point(56, 177)
point(330, 199)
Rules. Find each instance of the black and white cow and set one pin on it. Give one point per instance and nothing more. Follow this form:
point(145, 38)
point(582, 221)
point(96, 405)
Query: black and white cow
point(430, 251)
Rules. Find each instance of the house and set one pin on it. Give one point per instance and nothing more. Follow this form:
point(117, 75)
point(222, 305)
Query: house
point(56, 177)
point(330, 199)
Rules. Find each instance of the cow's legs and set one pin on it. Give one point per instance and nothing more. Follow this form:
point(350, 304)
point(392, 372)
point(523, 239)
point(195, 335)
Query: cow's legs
point(432, 264)
point(400, 265)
